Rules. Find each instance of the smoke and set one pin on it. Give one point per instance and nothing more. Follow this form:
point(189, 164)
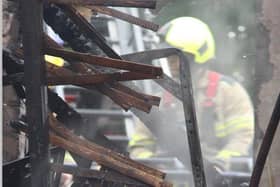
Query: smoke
point(233, 27)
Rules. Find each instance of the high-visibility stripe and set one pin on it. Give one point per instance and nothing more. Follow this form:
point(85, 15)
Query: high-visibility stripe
point(232, 130)
point(226, 154)
point(137, 137)
point(141, 143)
point(137, 140)
point(225, 129)
point(144, 154)
point(233, 122)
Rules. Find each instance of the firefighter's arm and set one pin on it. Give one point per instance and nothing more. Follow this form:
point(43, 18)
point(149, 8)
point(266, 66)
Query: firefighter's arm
point(237, 124)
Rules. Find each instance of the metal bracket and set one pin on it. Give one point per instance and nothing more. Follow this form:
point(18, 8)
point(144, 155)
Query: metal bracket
point(183, 92)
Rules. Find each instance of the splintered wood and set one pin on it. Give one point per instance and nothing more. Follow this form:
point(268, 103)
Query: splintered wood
point(105, 74)
point(90, 78)
point(123, 16)
point(120, 94)
point(62, 137)
point(103, 61)
point(121, 3)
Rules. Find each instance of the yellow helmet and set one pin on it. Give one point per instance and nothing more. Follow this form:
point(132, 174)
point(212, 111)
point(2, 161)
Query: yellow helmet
point(190, 35)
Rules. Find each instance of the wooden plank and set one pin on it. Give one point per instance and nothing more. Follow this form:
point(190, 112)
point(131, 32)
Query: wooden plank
point(119, 3)
point(67, 134)
point(97, 78)
point(104, 61)
point(126, 17)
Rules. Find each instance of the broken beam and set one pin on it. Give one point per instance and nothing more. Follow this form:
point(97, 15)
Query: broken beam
point(126, 17)
point(118, 3)
point(103, 61)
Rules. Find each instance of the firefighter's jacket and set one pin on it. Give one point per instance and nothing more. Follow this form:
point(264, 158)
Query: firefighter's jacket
point(225, 121)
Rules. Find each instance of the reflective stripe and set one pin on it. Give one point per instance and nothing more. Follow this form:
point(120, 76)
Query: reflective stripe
point(137, 140)
point(226, 154)
point(137, 137)
point(232, 126)
point(144, 154)
point(141, 143)
point(233, 122)
point(232, 130)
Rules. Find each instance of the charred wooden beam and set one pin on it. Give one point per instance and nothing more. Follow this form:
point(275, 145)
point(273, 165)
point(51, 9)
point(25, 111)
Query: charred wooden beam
point(122, 95)
point(119, 3)
point(97, 78)
point(103, 61)
point(118, 88)
point(64, 113)
point(126, 17)
point(115, 90)
point(81, 80)
point(89, 30)
point(153, 100)
point(104, 160)
point(59, 128)
point(124, 99)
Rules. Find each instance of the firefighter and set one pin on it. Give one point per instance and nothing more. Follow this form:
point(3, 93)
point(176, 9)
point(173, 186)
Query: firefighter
point(223, 108)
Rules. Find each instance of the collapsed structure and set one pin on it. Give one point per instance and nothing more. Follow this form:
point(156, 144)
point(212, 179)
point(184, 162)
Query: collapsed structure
point(49, 120)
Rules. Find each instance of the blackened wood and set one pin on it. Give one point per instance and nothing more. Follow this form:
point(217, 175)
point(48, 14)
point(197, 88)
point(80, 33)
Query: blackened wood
point(153, 100)
point(115, 91)
point(57, 77)
point(90, 31)
point(125, 100)
point(126, 17)
point(122, 95)
point(105, 62)
point(105, 160)
point(120, 3)
point(97, 78)
point(36, 95)
point(65, 133)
